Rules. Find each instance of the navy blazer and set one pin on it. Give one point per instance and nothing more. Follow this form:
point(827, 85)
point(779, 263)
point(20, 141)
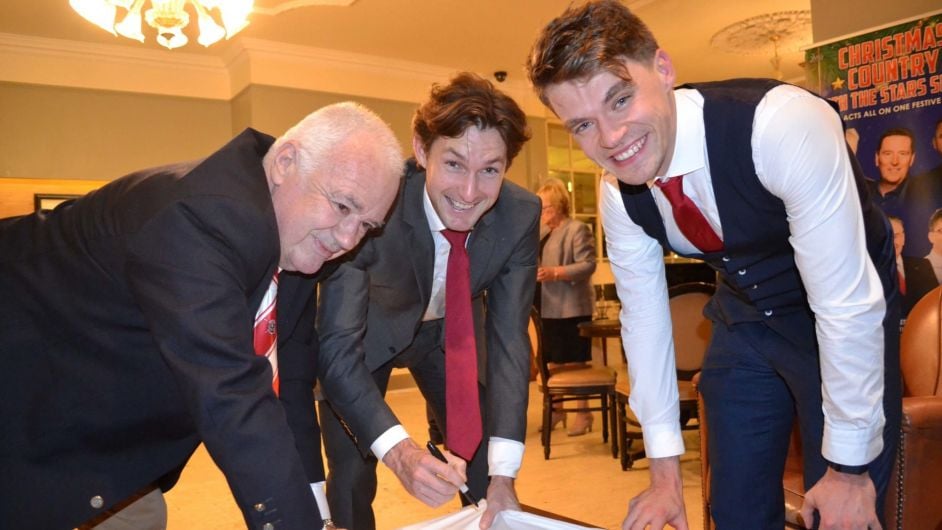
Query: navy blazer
point(126, 338)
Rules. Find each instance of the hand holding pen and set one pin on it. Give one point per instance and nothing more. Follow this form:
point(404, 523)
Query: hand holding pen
point(463, 487)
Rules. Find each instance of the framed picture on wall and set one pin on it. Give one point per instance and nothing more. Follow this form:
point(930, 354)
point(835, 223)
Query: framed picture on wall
point(48, 201)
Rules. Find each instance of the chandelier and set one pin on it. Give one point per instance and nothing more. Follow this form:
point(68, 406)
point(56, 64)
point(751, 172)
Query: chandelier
point(766, 35)
point(216, 18)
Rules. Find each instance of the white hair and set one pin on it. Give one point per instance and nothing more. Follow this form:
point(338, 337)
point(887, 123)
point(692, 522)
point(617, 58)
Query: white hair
point(321, 133)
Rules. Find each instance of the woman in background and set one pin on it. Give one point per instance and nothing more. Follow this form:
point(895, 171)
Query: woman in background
point(567, 261)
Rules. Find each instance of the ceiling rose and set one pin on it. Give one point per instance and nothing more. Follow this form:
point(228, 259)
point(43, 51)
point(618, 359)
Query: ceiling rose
point(766, 34)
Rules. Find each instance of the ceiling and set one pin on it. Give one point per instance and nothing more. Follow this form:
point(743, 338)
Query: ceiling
point(479, 35)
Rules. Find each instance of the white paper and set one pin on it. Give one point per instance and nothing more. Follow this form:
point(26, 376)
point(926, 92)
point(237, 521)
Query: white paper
point(514, 520)
point(469, 518)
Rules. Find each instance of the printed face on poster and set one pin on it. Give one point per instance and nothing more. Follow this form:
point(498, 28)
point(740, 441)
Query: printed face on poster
point(887, 84)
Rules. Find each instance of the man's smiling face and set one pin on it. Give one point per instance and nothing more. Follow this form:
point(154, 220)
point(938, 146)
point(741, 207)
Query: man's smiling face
point(626, 124)
point(463, 175)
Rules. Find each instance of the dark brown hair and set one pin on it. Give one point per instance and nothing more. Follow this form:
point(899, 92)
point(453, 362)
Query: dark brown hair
point(596, 36)
point(470, 100)
point(897, 131)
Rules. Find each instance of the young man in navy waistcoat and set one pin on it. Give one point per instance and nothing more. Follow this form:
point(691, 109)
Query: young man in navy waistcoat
point(807, 303)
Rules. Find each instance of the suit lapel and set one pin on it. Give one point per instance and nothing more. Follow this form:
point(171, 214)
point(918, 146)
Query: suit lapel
point(480, 248)
point(416, 229)
point(290, 301)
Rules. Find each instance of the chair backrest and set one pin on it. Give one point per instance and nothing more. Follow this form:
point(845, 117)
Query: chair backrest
point(921, 347)
point(692, 331)
point(535, 331)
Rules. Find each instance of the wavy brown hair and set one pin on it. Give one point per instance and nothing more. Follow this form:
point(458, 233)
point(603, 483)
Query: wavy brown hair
point(470, 100)
point(585, 39)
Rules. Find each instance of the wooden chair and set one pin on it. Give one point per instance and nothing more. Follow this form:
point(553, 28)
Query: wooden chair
point(692, 332)
point(560, 386)
point(912, 502)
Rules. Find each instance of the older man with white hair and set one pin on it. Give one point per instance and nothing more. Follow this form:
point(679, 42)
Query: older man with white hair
point(175, 306)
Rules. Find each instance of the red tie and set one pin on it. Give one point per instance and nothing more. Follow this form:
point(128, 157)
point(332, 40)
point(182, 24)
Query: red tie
point(689, 218)
point(463, 411)
point(266, 333)
point(902, 282)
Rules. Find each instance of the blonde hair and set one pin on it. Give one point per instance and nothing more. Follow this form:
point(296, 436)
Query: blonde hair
point(556, 193)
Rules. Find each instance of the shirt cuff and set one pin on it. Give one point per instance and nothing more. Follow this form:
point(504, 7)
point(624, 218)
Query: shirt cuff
point(388, 440)
point(504, 457)
point(856, 447)
point(662, 440)
point(321, 497)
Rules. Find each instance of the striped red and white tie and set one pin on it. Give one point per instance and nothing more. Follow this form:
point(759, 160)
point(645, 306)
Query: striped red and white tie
point(266, 332)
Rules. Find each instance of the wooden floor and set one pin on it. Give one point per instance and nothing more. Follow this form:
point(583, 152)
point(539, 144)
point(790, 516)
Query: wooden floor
point(581, 480)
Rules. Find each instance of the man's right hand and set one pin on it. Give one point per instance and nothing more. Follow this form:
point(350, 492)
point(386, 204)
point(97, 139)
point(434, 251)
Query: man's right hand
point(662, 503)
point(424, 476)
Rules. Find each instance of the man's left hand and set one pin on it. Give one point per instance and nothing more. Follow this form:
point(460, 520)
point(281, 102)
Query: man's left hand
point(843, 501)
point(500, 496)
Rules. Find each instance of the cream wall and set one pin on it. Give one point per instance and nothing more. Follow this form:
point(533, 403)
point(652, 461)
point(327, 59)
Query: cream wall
point(72, 133)
point(836, 18)
point(273, 109)
point(75, 133)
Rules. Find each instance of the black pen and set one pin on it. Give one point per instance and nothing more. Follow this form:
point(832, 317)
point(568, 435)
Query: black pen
point(463, 488)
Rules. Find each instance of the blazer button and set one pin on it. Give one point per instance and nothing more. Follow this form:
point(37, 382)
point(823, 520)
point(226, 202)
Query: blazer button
point(268, 526)
point(97, 501)
point(755, 286)
point(768, 312)
point(741, 272)
point(260, 507)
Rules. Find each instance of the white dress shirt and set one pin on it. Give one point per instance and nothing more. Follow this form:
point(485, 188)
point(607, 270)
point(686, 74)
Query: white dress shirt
point(504, 456)
point(800, 157)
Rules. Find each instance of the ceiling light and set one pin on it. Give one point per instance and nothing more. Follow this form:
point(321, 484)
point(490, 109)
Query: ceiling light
point(216, 18)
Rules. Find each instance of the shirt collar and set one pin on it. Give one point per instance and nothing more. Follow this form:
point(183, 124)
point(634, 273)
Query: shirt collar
point(690, 138)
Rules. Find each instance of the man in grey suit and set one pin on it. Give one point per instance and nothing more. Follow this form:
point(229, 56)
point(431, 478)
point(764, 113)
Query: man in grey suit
point(386, 302)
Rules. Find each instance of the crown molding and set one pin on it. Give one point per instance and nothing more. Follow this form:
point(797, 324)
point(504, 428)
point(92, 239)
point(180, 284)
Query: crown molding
point(325, 70)
point(44, 61)
point(275, 7)
point(245, 62)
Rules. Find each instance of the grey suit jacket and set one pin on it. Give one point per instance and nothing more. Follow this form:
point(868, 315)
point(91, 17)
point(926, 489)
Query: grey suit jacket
point(372, 306)
point(571, 246)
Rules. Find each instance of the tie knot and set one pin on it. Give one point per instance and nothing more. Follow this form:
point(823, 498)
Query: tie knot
point(456, 238)
point(672, 186)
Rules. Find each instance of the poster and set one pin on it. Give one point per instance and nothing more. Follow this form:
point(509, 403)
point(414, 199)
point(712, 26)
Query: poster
point(887, 84)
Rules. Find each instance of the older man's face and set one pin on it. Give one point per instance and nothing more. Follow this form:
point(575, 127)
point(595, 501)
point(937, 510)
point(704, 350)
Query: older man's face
point(326, 214)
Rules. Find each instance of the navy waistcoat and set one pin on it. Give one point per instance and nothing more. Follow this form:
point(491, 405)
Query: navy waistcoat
point(758, 276)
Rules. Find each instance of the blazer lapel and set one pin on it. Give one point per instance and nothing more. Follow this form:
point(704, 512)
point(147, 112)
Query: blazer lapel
point(480, 248)
point(290, 301)
point(416, 228)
